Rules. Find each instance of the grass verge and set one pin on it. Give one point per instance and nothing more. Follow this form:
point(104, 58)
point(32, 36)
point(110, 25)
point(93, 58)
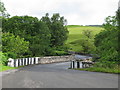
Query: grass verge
point(100, 69)
point(4, 68)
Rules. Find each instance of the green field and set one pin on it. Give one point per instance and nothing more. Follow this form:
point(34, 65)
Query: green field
point(75, 34)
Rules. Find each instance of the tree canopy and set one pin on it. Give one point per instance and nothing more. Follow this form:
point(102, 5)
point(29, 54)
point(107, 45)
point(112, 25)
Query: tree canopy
point(14, 44)
point(43, 35)
point(107, 41)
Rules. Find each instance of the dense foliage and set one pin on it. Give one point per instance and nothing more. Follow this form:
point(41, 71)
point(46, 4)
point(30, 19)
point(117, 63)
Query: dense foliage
point(57, 29)
point(107, 41)
point(14, 46)
point(3, 59)
point(3, 11)
point(43, 38)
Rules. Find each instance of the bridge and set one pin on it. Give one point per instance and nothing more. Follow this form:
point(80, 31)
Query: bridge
point(76, 61)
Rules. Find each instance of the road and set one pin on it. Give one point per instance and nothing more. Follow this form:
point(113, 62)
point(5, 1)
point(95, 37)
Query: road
point(57, 75)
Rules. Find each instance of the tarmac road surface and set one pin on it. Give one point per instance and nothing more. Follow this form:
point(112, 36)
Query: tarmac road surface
point(57, 75)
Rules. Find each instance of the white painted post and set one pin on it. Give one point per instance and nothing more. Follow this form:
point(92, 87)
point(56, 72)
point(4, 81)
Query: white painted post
point(23, 62)
point(29, 60)
point(16, 62)
point(26, 61)
point(11, 62)
point(32, 60)
point(20, 62)
point(36, 60)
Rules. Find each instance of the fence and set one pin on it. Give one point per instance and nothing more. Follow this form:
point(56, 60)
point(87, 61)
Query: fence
point(22, 61)
point(37, 60)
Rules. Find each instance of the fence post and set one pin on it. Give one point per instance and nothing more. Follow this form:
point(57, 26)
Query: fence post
point(78, 64)
point(26, 60)
point(37, 60)
point(73, 64)
point(11, 62)
point(23, 62)
point(32, 60)
point(16, 62)
point(20, 62)
point(29, 60)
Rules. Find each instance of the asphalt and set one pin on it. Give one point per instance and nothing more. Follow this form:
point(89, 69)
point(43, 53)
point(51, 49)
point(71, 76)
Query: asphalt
point(57, 75)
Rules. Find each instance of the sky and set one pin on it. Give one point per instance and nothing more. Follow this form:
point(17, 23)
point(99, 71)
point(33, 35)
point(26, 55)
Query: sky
point(77, 12)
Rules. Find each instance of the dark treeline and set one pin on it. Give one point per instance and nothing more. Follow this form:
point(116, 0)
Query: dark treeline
point(95, 25)
point(45, 36)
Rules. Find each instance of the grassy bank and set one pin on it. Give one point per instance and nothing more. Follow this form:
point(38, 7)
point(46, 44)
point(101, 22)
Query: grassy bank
point(75, 34)
point(4, 68)
point(101, 69)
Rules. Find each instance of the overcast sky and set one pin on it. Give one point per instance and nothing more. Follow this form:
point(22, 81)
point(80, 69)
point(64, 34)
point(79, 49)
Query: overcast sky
point(77, 12)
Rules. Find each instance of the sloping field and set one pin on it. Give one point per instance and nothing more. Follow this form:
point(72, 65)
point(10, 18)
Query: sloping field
point(75, 33)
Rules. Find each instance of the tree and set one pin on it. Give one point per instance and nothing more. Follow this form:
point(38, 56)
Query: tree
point(118, 23)
point(88, 34)
point(118, 17)
point(107, 41)
point(3, 59)
point(32, 30)
point(110, 23)
point(59, 31)
point(56, 25)
point(3, 11)
point(14, 44)
point(40, 42)
point(86, 43)
point(20, 25)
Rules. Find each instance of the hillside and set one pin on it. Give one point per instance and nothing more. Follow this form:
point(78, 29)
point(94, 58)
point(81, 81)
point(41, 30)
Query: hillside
point(75, 34)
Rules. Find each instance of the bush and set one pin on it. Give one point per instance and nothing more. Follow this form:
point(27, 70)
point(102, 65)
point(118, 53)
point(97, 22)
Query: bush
point(3, 59)
point(60, 53)
point(106, 64)
point(11, 55)
point(16, 44)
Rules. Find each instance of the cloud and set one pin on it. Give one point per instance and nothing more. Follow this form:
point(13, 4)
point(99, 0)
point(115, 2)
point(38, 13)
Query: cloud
point(75, 11)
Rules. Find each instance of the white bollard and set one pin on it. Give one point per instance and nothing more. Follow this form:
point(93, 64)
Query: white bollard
point(11, 62)
point(26, 61)
point(19, 62)
point(32, 60)
point(37, 60)
point(16, 62)
point(23, 62)
point(29, 60)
